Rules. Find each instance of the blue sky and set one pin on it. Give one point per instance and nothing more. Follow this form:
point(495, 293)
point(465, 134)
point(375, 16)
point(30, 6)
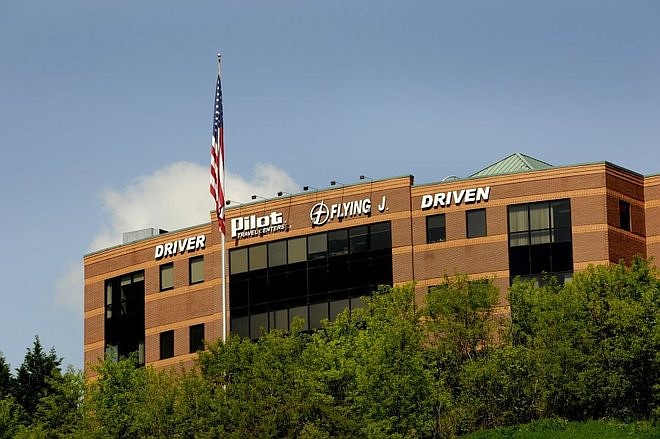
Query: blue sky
point(105, 113)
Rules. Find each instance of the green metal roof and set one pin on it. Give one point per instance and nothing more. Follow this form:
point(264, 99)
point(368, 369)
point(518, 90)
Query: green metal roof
point(516, 162)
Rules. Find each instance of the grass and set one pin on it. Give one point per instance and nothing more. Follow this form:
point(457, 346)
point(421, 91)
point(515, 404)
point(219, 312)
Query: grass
point(561, 429)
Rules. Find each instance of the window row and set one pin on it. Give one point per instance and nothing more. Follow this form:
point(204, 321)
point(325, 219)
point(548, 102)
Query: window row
point(539, 223)
point(195, 341)
point(334, 278)
point(475, 226)
point(195, 273)
point(354, 240)
point(291, 274)
point(312, 317)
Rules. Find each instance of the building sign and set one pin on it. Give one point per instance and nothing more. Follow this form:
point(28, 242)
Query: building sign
point(322, 213)
point(464, 196)
point(253, 225)
point(180, 246)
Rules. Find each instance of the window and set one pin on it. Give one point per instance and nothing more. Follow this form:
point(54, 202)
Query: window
point(297, 250)
point(167, 276)
point(124, 325)
point(258, 258)
point(317, 246)
point(358, 239)
point(338, 242)
point(380, 236)
point(196, 269)
point(310, 276)
point(238, 261)
point(277, 253)
point(540, 240)
point(166, 344)
point(476, 223)
point(435, 228)
point(196, 338)
point(624, 215)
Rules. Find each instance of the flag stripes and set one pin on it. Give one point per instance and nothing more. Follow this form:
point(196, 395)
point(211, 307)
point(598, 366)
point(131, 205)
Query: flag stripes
point(217, 186)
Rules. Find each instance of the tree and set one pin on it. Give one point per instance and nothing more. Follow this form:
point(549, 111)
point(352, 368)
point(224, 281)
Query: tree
point(5, 378)
point(596, 338)
point(59, 412)
point(459, 317)
point(374, 368)
point(32, 380)
point(128, 400)
point(262, 388)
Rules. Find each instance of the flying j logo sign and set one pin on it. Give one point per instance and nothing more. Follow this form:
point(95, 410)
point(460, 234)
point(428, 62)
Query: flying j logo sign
point(189, 244)
point(253, 225)
point(466, 196)
point(322, 213)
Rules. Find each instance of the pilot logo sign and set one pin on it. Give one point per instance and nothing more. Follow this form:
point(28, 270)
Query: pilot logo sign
point(321, 213)
point(253, 225)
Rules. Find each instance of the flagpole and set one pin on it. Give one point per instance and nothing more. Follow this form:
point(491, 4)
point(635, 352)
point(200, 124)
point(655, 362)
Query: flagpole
point(217, 186)
point(223, 231)
point(224, 294)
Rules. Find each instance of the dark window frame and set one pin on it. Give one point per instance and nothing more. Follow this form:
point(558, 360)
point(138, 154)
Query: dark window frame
point(473, 233)
point(169, 265)
point(192, 261)
point(527, 254)
point(195, 342)
point(166, 339)
point(124, 318)
point(625, 216)
point(430, 230)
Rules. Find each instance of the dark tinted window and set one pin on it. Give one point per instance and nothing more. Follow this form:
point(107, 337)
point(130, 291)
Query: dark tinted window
point(624, 215)
point(476, 223)
point(317, 246)
point(540, 240)
point(358, 238)
point(312, 277)
point(276, 253)
point(435, 228)
point(124, 315)
point(166, 344)
point(167, 276)
point(381, 236)
point(196, 269)
point(238, 261)
point(338, 242)
point(196, 333)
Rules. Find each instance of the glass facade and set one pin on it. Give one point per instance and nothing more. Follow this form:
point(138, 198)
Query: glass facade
point(124, 315)
point(540, 240)
point(313, 277)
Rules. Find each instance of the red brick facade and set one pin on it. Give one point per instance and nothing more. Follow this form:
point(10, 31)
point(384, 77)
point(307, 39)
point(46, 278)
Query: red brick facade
point(595, 192)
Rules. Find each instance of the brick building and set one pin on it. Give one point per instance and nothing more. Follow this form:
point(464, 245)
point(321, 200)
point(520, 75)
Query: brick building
point(316, 253)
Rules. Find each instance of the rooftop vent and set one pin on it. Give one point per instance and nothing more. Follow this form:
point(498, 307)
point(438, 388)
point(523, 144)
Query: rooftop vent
point(137, 235)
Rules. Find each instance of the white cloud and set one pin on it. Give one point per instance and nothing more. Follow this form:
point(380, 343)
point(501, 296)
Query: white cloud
point(69, 288)
point(171, 198)
point(178, 196)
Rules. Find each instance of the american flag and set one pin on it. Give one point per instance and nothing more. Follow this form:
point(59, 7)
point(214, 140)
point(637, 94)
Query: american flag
point(218, 157)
